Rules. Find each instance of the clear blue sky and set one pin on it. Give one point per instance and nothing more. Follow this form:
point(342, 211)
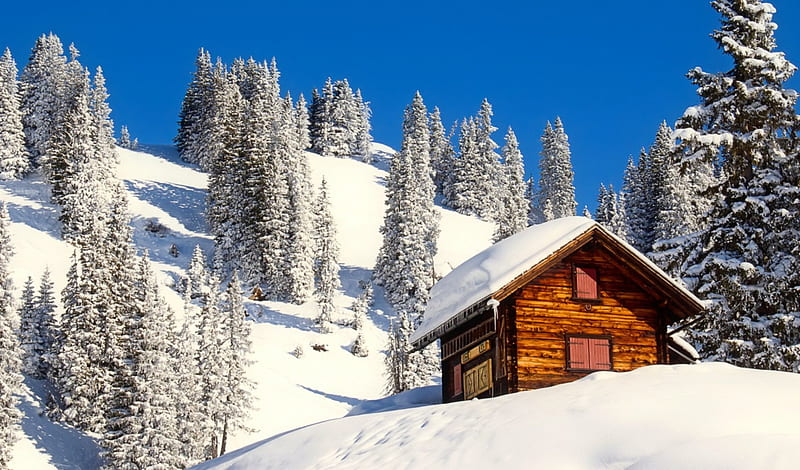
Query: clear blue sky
point(612, 70)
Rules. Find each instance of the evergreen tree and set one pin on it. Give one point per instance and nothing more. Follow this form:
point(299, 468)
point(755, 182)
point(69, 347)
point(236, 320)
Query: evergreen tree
point(142, 428)
point(124, 138)
point(237, 387)
point(442, 153)
point(746, 261)
point(194, 107)
point(43, 82)
point(513, 208)
point(555, 173)
point(37, 327)
point(14, 157)
point(191, 423)
point(363, 137)
point(10, 363)
point(48, 327)
point(211, 361)
point(197, 275)
point(321, 127)
point(327, 257)
point(303, 137)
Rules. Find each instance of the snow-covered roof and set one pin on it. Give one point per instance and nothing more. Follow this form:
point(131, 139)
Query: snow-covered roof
point(472, 283)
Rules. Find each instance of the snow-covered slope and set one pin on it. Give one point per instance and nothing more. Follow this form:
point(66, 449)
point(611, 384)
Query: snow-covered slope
point(166, 193)
point(710, 416)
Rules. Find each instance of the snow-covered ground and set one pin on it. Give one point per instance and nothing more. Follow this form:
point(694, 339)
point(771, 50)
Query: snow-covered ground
point(290, 392)
point(709, 416)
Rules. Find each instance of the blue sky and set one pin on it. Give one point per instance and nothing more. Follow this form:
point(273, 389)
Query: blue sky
point(612, 70)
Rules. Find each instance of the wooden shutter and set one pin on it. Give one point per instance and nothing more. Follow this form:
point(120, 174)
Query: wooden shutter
point(599, 353)
point(585, 282)
point(457, 380)
point(578, 353)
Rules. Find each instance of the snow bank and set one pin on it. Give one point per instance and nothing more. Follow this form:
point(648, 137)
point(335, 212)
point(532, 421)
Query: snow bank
point(709, 416)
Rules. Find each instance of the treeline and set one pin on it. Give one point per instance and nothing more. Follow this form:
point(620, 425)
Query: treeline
point(115, 361)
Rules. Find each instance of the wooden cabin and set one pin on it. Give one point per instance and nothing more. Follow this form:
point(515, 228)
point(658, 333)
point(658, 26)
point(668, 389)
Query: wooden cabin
point(549, 305)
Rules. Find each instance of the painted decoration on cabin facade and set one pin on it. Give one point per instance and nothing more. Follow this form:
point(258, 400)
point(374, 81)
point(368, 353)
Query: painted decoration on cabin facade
point(478, 379)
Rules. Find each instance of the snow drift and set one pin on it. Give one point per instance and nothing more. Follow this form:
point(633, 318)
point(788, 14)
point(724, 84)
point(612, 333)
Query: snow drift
point(709, 416)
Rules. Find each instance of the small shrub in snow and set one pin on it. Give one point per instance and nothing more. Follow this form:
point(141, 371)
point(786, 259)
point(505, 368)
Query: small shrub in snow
point(155, 227)
point(298, 352)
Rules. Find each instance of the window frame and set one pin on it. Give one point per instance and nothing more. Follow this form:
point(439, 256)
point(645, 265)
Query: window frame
point(589, 300)
point(608, 338)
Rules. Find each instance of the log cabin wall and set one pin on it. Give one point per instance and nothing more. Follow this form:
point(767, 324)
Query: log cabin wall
point(546, 313)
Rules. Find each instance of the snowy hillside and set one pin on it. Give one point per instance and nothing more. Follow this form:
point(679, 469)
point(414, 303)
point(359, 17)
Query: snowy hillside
point(167, 198)
point(709, 416)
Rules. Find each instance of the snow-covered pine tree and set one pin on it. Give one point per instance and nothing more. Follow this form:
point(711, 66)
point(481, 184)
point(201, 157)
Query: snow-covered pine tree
point(14, 157)
point(513, 208)
point(320, 128)
point(197, 275)
point(360, 309)
point(410, 230)
point(303, 123)
point(194, 107)
point(43, 80)
point(186, 398)
point(442, 153)
point(555, 173)
point(238, 388)
point(298, 259)
point(124, 138)
point(659, 156)
point(634, 188)
point(344, 118)
point(363, 128)
point(37, 327)
point(106, 158)
point(611, 211)
point(45, 310)
point(327, 260)
point(142, 430)
point(746, 261)
point(211, 361)
point(10, 363)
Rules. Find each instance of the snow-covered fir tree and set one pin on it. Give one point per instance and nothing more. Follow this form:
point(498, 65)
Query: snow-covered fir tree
point(363, 139)
point(37, 326)
point(442, 153)
point(125, 138)
point(303, 123)
point(192, 118)
point(14, 157)
point(513, 208)
point(211, 362)
point(142, 430)
point(43, 80)
point(746, 260)
point(327, 260)
point(611, 211)
point(10, 363)
point(238, 396)
point(410, 231)
point(360, 309)
point(189, 409)
point(556, 188)
point(197, 275)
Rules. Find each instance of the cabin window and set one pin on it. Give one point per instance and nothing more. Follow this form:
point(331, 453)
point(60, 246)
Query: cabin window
point(588, 353)
point(585, 283)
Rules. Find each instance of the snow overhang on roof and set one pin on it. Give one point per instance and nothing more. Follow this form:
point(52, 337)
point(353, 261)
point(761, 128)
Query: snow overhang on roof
point(465, 291)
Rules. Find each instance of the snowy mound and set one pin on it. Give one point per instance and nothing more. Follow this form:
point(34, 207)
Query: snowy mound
point(658, 417)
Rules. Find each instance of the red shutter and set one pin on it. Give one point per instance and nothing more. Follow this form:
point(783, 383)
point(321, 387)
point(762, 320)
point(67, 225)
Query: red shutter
point(457, 380)
point(578, 353)
point(599, 354)
point(585, 283)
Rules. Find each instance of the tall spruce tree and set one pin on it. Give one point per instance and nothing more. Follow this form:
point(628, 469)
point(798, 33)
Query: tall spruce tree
point(327, 260)
point(43, 83)
point(556, 188)
point(10, 363)
point(195, 107)
point(410, 231)
point(514, 207)
point(746, 261)
point(14, 157)
point(442, 153)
